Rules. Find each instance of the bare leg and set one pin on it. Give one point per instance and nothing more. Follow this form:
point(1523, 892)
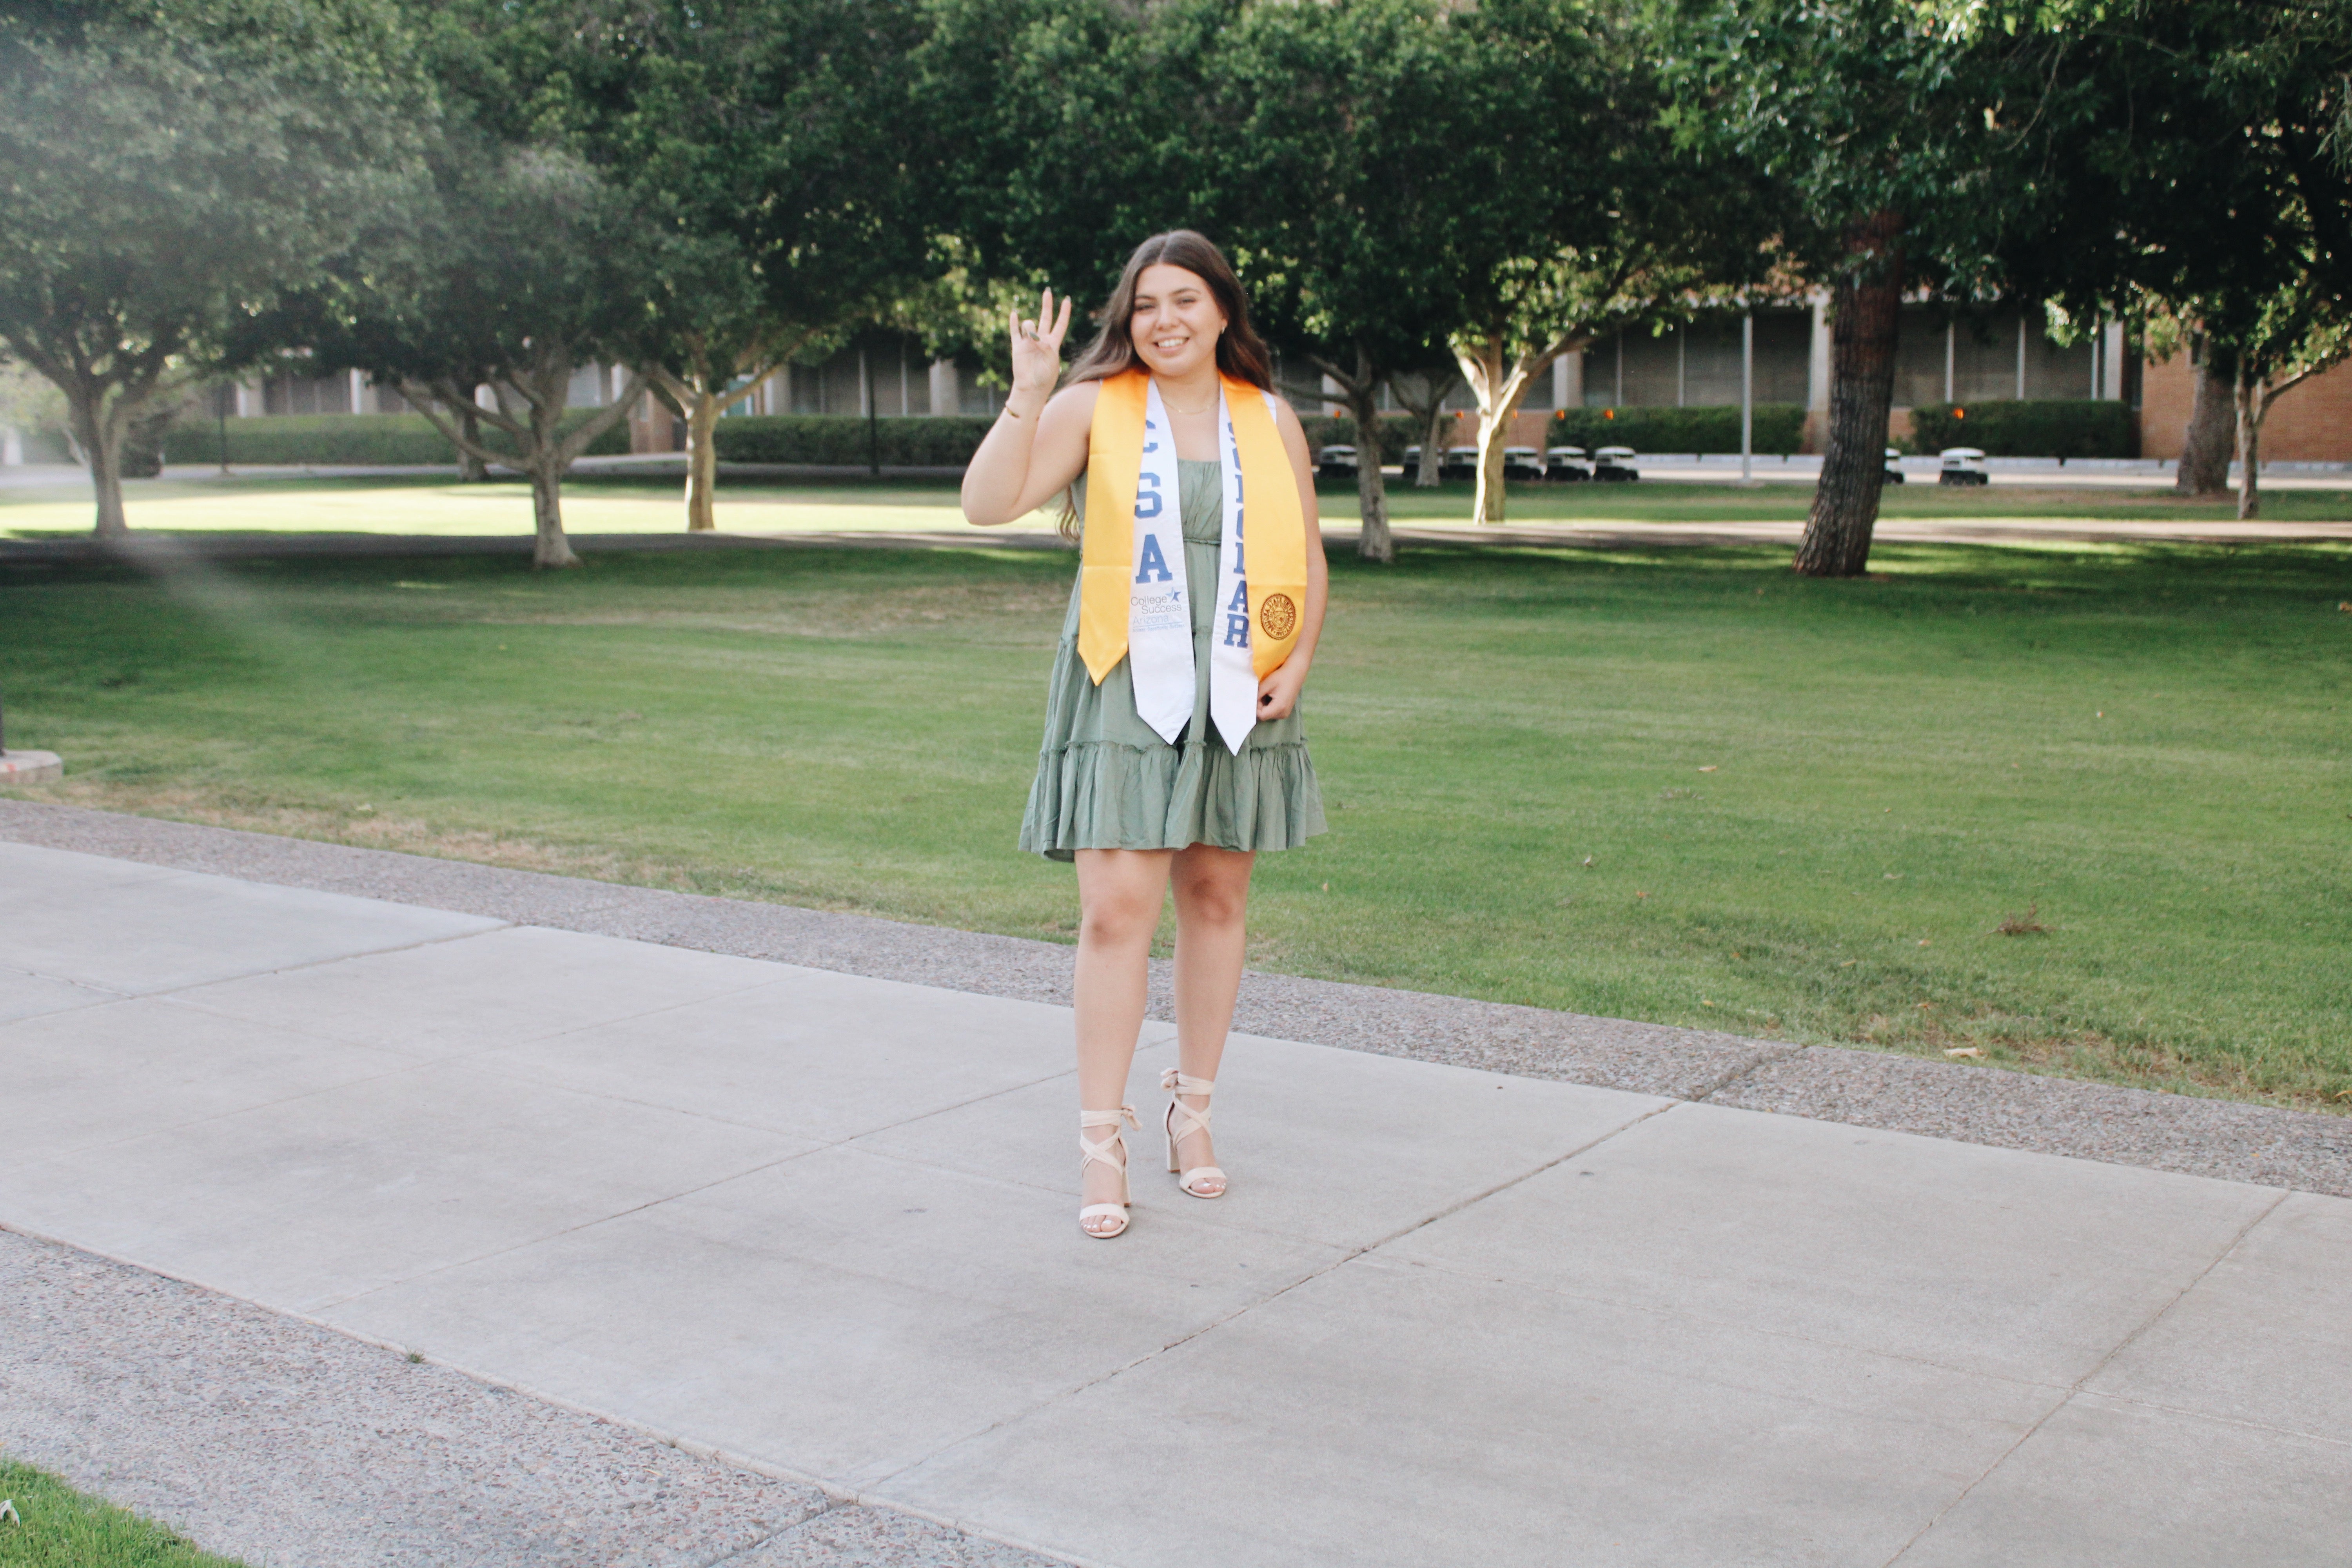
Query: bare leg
point(1212, 937)
point(1119, 895)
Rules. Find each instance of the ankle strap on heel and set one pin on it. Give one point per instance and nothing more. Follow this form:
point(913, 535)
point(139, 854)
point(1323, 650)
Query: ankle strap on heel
point(1179, 1083)
point(1098, 1149)
point(1182, 1121)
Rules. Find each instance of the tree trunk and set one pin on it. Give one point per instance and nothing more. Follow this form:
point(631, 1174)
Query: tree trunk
point(701, 461)
point(2204, 468)
point(1432, 452)
point(1432, 414)
point(1862, 327)
point(1493, 434)
point(100, 439)
point(1498, 386)
point(2247, 402)
point(550, 548)
point(1374, 543)
point(471, 470)
point(1486, 503)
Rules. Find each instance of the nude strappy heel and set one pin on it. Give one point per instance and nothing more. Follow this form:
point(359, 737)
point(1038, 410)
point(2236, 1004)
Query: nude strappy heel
point(1176, 1082)
point(1094, 1154)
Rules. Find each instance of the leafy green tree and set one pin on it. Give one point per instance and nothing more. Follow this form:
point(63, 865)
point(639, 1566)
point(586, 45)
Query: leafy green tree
point(525, 268)
point(769, 151)
point(1066, 132)
point(1341, 131)
point(169, 172)
point(1905, 144)
point(1623, 223)
point(2211, 194)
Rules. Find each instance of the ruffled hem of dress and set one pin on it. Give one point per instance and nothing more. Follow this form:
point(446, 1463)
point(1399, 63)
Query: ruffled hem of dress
point(1102, 795)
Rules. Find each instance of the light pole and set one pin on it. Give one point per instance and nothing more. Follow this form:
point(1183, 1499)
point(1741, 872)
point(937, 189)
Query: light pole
point(1747, 394)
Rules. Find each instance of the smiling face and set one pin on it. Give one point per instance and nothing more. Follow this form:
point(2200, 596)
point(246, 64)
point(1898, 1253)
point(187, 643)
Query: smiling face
point(1176, 321)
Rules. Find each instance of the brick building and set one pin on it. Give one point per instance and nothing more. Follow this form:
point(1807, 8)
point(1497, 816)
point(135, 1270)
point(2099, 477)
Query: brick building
point(2311, 424)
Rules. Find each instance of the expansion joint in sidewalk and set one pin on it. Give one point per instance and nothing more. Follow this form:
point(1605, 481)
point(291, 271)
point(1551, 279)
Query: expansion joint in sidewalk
point(2076, 1387)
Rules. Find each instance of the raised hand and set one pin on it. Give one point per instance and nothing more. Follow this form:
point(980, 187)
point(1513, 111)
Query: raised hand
point(1037, 353)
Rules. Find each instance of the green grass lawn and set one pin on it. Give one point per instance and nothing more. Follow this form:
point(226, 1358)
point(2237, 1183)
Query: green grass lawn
point(1675, 784)
point(630, 503)
point(58, 1527)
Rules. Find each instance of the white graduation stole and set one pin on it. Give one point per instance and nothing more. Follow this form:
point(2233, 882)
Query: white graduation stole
point(1160, 609)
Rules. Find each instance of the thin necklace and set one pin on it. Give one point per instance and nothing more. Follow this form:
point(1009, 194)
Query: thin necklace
point(1173, 409)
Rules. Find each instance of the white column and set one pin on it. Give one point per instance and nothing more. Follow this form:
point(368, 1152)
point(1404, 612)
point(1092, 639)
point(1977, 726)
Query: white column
point(865, 387)
point(2111, 362)
point(1952, 344)
point(359, 393)
point(1817, 368)
point(1681, 362)
point(1561, 378)
point(902, 380)
point(2021, 353)
point(12, 449)
point(249, 399)
point(947, 392)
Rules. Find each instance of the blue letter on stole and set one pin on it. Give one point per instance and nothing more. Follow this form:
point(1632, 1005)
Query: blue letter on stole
point(1154, 561)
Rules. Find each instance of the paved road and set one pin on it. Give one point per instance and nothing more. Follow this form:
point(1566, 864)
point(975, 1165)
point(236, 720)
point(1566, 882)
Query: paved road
point(825, 1222)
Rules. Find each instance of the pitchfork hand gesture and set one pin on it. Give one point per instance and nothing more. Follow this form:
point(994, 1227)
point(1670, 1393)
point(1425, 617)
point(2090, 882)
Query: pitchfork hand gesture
point(1037, 355)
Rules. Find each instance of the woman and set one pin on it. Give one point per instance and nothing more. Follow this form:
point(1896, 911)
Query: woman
point(1173, 751)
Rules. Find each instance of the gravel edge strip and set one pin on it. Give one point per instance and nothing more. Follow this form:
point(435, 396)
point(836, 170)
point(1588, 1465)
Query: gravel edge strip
point(2225, 1140)
point(285, 1443)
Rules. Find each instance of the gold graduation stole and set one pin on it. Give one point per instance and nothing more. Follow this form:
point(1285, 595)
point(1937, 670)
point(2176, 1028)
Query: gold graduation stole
point(1127, 574)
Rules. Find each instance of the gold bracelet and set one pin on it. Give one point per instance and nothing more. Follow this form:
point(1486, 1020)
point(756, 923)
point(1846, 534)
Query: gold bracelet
point(1008, 408)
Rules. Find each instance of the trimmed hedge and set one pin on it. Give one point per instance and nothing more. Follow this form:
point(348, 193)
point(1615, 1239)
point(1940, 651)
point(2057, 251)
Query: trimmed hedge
point(1777, 429)
point(942, 441)
point(364, 440)
point(2045, 427)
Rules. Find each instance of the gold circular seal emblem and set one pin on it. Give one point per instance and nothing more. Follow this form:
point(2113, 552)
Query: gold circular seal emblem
point(1278, 617)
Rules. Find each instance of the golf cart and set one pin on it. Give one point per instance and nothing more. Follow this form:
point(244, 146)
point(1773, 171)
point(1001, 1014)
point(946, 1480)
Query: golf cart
point(1895, 467)
point(1522, 463)
point(1566, 465)
point(1336, 463)
point(1460, 463)
point(1962, 466)
point(1615, 465)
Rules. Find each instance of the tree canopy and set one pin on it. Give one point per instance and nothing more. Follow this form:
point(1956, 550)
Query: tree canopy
point(170, 172)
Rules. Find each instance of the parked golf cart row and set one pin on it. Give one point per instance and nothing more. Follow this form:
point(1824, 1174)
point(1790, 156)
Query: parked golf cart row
point(1611, 465)
point(1558, 465)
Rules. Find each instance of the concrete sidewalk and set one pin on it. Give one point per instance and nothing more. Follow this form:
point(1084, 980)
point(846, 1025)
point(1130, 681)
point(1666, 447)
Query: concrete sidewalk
point(823, 1222)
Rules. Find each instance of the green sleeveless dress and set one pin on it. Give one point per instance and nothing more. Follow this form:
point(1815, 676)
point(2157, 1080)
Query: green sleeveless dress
point(1107, 781)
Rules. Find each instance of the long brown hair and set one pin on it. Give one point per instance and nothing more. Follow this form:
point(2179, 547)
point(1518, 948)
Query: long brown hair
point(1239, 352)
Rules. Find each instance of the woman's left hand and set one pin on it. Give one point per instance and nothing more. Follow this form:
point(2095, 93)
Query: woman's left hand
point(1277, 694)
